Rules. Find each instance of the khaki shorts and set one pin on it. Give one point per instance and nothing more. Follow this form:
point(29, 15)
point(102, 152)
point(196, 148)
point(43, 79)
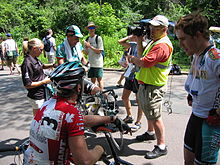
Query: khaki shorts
point(36, 104)
point(150, 100)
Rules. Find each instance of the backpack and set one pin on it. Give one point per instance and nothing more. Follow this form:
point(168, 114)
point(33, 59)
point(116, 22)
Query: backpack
point(47, 44)
point(96, 41)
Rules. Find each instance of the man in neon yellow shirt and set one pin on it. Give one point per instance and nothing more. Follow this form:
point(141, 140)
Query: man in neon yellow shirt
point(152, 77)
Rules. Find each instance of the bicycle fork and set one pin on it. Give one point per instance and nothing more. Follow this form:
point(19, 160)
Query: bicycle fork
point(117, 159)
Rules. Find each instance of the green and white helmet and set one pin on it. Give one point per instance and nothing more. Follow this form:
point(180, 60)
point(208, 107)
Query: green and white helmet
point(68, 75)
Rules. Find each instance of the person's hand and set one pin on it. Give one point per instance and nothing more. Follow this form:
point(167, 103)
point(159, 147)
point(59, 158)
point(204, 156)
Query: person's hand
point(122, 126)
point(55, 65)
point(46, 80)
point(129, 57)
point(99, 148)
point(213, 118)
point(86, 68)
point(87, 44)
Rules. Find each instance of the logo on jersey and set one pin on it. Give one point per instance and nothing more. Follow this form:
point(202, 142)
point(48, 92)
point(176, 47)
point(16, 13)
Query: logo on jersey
point(214, 54)
point(69, 118)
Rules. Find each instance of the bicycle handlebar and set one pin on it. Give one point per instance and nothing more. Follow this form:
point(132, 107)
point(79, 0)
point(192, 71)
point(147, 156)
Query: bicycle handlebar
point(9, 148)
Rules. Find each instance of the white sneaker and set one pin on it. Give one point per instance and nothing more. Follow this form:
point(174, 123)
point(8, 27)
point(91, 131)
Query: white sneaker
point(135, 127)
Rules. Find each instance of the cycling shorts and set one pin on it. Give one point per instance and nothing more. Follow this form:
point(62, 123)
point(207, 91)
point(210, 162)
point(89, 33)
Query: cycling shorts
point(131, 85)
point(203, 140)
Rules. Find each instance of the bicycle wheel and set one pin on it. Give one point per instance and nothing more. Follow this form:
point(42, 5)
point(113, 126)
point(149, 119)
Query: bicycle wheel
point(117, 139)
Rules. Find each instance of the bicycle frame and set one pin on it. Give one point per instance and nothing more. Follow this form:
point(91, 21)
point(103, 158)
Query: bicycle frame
point(117, 159)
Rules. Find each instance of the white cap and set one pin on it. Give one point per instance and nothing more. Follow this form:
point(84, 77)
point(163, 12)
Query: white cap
point(159, 20)
point(214, 29)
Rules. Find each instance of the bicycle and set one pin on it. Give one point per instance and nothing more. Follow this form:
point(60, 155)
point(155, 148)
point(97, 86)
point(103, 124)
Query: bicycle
point(104, 129)
point(103, 104)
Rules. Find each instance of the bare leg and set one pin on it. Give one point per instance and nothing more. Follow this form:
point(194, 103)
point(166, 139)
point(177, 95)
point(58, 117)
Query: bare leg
point(10, 68)
point(93, 80)
point(188, 157)
point(100, 83)
point(16, 66)
point(120, 80)
point(150, 126)
point(159, 130)
point(125, 98)
point(139, 113)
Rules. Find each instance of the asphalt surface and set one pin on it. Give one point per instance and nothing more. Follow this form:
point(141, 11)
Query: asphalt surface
point(16, 114)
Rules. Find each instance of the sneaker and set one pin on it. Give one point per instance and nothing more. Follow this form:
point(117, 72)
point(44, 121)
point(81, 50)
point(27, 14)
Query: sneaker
point(157, 152)
point(135, 127)
point(146, 137)
point(128, 119)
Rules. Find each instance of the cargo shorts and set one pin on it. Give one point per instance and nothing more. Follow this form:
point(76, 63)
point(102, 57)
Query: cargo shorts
point(150, 100)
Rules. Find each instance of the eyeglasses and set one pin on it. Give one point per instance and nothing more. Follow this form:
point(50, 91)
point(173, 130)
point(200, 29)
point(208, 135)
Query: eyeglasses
point(40, 49)
point(71, 34)
point(91, 27)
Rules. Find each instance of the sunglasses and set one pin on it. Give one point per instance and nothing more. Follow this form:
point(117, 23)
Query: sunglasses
point(91, 27)
point(71, 34)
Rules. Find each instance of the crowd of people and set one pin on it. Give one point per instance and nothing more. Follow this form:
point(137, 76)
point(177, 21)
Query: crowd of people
point(58, 125)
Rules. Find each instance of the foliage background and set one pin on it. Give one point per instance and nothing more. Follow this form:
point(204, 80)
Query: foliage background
point(31, 18)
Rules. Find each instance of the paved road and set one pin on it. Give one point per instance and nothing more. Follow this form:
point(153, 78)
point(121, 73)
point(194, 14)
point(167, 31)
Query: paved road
point(16, 114)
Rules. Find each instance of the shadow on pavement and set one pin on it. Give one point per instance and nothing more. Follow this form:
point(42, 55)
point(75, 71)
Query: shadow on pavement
point(15, 111)
point(126, 151)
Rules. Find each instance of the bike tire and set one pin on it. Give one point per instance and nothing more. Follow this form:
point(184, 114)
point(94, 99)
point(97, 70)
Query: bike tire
point(117, 140)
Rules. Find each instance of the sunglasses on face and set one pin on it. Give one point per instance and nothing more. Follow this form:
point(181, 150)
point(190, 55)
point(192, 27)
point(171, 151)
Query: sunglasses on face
point(71, 34)
point(91, 27)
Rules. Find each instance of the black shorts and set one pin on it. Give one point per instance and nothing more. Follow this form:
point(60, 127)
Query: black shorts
point(131, 85)
point(203, 140)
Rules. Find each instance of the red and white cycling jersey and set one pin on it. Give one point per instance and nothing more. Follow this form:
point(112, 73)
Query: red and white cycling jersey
point(53, 124)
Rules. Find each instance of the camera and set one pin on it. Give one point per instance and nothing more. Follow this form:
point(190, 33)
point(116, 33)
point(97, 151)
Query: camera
point(140, 30)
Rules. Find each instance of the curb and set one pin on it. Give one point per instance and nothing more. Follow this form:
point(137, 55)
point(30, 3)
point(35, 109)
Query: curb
point(122, 70)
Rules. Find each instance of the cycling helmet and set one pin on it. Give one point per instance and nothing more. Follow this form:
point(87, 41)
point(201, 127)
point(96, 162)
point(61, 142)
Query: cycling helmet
point(67, 75)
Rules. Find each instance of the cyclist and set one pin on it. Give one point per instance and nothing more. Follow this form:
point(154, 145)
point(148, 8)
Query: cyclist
point(57, 130)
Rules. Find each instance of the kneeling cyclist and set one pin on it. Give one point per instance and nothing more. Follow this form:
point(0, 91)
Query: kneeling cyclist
point(57, 130)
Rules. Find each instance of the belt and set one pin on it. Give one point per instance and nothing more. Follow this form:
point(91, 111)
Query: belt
point(149, 85)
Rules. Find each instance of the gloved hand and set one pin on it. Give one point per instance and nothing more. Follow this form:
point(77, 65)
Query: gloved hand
point(213, 118)
point(122, 126)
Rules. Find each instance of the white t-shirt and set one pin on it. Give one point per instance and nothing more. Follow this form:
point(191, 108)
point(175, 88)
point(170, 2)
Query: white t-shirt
point(95, 60)
point(10, 45)
point(203, 82)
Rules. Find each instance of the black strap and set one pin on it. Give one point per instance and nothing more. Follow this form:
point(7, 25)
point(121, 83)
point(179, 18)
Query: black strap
point(206, 49)
point(96, 39)
point(203, 53)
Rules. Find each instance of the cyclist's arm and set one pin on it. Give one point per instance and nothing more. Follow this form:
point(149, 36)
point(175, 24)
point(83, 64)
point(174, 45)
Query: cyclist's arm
point(94, 120)
point(90, 88)
point(80, 152)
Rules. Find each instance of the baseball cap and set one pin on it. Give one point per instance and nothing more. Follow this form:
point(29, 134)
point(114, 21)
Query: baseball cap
point(75, 30)
point(159, 20)
point(8, 34)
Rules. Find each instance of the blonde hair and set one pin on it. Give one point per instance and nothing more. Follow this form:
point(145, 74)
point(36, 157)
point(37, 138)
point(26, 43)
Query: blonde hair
point(35, 42)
